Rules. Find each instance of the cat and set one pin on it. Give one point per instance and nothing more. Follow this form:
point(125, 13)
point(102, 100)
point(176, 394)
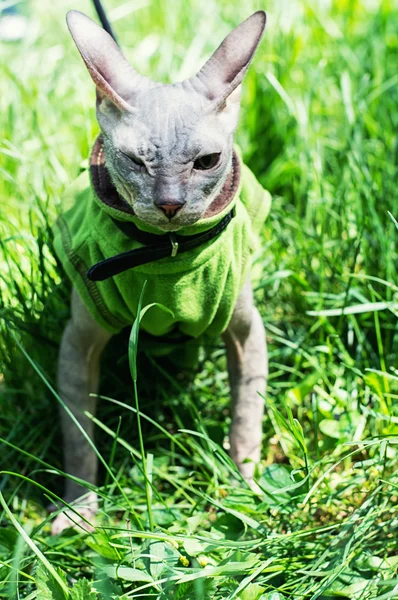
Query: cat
point(166, 188)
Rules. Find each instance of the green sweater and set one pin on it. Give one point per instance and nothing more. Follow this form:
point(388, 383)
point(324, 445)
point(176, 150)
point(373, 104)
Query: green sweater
point(200, 286)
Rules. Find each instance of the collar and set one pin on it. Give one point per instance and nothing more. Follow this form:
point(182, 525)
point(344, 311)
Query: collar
point(155, 247)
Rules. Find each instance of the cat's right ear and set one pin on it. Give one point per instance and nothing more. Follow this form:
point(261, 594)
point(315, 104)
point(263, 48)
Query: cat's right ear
point(115, 79)
point(225, 70)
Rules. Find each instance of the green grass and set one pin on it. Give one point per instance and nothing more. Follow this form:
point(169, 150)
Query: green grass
point(319, 128)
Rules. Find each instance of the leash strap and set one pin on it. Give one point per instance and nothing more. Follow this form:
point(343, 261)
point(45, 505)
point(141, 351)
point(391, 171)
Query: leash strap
point(104, 19)
point(155, 247)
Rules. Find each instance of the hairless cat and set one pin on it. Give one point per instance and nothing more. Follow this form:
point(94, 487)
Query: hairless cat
point(166, 200)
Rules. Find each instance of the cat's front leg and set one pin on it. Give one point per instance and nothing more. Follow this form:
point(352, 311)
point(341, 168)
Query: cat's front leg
point(78, 376)
point(247, 368)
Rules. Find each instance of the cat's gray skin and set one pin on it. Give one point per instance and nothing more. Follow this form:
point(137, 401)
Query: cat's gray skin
point(154, 138)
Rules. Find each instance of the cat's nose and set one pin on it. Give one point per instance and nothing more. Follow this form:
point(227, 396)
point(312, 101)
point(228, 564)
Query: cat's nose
point(170, 209)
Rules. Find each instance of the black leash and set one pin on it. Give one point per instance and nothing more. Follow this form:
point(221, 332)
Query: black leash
point(155, 248)
point(104, 19)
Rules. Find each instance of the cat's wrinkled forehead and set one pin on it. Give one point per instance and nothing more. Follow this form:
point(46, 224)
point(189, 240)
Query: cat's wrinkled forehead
point(170, 114)
point(170, 105)
point(167, 124)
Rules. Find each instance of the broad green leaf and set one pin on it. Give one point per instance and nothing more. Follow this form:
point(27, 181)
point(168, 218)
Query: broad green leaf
point(194, 523)
point(194, 547)
point(252, 592)
point(162, 556)
point(127, 574)
point(383, 564)
point(48, 588)
point(229, 568)
point(331, 428)
point(229, 527)
point(278, 485)
point(203, 589)
point(82, 591)
point(351, 586)
point(100, 544)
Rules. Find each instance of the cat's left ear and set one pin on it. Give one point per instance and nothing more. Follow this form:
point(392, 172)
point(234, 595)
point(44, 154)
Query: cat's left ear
point(226, 68)
point(115, 79)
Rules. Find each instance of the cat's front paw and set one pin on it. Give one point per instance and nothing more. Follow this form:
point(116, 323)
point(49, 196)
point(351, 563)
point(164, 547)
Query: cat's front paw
point(86, 509)
point(247, 470)
point(255, 488)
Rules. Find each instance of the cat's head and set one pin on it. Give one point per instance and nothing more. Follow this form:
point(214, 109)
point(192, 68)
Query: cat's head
point(168, 148)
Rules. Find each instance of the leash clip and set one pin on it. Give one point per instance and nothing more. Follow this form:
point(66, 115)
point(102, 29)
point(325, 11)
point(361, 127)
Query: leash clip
point(174, 245)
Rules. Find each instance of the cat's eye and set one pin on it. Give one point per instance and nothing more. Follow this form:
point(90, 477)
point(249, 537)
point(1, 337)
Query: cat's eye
point(206, 162)
point(137, 162)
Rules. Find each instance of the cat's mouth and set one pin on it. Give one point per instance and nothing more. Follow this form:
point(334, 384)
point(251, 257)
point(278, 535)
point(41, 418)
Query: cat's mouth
point(182, 219)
